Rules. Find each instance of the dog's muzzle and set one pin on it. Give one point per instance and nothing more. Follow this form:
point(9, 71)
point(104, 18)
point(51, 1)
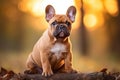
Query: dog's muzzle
point(61, 32)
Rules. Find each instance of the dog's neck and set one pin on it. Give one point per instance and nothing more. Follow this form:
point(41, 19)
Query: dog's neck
point(61, 40)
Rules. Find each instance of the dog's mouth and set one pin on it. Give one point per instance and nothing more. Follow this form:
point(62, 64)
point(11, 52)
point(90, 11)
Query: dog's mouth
point(61, 35)
point(61, 32)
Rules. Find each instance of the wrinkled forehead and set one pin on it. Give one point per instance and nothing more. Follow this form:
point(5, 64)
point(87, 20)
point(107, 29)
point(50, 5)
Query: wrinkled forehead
point(60, 18)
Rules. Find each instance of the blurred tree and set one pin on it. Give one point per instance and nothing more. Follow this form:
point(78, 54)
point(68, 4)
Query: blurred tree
point(83, 33)
point(113, 29)
point(11, 29)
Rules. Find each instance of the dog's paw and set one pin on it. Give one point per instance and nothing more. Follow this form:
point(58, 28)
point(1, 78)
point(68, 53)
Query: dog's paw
point(71, 71)
point(47, 73)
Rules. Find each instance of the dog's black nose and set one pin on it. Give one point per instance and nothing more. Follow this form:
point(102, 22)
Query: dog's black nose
point(61, 27)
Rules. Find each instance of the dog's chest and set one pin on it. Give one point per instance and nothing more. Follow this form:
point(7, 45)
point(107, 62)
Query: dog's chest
point(59, 49)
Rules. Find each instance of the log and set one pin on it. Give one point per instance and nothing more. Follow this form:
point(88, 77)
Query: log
point(70, 76)
point(101, 75)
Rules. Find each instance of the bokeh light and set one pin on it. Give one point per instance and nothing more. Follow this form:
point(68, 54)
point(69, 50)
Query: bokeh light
point(93, 21)
point(111, 7)
point(90, 20)
point(93, 14)
point(37, 7)
point(95, 5)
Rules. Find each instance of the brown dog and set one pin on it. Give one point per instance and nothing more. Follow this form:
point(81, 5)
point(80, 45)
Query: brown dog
point(52, 52)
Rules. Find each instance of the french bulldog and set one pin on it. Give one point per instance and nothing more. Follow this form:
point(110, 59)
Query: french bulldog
point(52, 52)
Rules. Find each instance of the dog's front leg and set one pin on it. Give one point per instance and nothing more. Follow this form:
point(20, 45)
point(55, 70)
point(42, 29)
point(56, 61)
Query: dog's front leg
point(46, 66)
point(68, 64)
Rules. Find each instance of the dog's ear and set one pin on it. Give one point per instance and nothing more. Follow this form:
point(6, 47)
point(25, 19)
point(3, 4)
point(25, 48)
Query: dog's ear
point(50, 12)
point(71, 12)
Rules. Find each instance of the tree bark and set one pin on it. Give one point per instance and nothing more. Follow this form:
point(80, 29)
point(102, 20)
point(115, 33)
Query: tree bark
point(102, 75)
point(72, 76)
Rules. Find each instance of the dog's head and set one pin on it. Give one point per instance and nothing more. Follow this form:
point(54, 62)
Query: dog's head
point(60, 25)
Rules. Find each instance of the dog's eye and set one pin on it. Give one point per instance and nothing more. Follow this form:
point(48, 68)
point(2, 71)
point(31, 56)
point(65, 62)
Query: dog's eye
point(54, 23)
point(67, 23)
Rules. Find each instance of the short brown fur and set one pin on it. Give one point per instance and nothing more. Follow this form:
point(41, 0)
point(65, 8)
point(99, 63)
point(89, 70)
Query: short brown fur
point(52, 54)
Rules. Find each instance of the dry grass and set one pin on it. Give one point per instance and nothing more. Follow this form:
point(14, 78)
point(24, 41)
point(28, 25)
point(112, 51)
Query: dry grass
point(16, 62)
